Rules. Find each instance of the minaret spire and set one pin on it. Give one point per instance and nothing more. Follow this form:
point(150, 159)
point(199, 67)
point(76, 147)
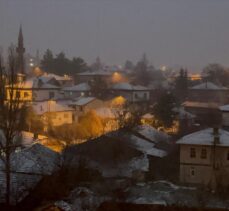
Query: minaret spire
point(20, 52)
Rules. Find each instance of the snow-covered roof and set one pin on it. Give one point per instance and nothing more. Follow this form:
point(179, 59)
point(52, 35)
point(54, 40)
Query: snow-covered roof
point(224, 108)
point(92, 73)
point(147, 147)
point(28, 166)
point(147, 116)
point(36, 83)
point(129, 87)
point(50, 106)
point(78, 88)
point(183, 114)
point(205, 137)
point(211, 105)
point(208, 86)
point(83, 101)
point(152, 134)
point(57, 77)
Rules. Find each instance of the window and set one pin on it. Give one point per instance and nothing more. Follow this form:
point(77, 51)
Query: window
point(228, 156)
point(51, 95)
point(203, 153)
point(135, 95)
point(192, 152)
point(192, 171)
point(145, 96)
point(65, 116)
point(18, 94)
point(26, 94)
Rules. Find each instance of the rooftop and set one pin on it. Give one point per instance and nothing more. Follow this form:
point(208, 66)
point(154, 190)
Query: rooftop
point(78, 88)
point(129, 87)
point(208, 86)
point(205, 137)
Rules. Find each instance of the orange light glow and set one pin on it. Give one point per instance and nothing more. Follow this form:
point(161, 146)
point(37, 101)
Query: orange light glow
point(118, 101)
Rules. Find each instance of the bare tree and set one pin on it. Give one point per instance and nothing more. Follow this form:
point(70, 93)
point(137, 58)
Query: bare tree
point(11, 116)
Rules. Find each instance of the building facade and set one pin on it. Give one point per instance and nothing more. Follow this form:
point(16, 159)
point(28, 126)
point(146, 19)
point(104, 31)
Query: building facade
point(204, 158)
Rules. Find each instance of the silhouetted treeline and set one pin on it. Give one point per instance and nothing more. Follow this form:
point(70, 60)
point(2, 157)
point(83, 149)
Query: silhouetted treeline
point(60, 64)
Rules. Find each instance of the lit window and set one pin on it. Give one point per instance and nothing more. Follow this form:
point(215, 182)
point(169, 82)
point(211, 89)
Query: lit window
point(203, 154)
point(18, 94)
point(192, 152)
point(26, 94)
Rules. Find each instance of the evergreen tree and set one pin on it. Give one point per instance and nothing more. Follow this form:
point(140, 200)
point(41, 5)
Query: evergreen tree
point(48, 61)
point(163, 110)
point(181, 84)
point(61, 64)
point(142, 75)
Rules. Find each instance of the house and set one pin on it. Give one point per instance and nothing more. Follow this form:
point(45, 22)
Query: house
point(104, 75)
point(132, 93)
point(84, 104)
point(204, 111)
point(204, 158)
point(35, 89)
point(225, 115)
point(64, 81)
point(53, 113)
point(90, 76)
point(79, 90)
point(208, 90)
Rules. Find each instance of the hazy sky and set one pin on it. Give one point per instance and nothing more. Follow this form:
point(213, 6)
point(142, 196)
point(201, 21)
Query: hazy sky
point(186, 32)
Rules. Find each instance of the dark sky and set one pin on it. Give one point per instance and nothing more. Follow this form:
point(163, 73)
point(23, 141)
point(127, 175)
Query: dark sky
point(186, 32)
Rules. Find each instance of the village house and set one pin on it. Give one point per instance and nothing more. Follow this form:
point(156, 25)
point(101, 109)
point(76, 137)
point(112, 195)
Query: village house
point(203, 111)
point(64, 81)
point(204, 158)
point(79, 90)
point(132, 93)
point(35, 89)
point(83, 105)
point(107, 76)
point(53, 113)
point(225, 115)
point(208, 90)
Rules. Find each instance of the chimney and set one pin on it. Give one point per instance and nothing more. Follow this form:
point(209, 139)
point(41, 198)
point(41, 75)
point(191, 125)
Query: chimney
point(216, 135)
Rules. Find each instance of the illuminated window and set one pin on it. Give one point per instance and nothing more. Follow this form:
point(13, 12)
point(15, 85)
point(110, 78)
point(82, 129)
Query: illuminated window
point(192, 152)
point(26, 94)
point(203, 154)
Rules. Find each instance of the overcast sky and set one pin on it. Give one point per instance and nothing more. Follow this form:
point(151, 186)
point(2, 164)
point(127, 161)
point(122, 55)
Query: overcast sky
point(191, 33)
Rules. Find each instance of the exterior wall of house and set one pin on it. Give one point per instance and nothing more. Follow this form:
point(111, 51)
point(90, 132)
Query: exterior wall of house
point(134, 96)
point(209, 170)
point(220, 96)
point(139, 96)
point(225, 119)
point(21, 94)
point(74, 94)
point(90, 106)
point(58, 118)
point(46, 94)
